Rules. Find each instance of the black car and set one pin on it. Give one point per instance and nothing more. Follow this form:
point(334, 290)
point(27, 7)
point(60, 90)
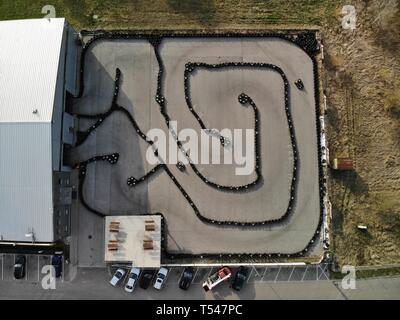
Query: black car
point(181, 166)
point(19, 267)
point(145, 279)
point(186, 278)
point(56, 262)
point(240, 278)
point(299, 84)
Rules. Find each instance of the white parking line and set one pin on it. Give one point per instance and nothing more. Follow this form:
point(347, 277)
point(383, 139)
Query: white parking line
point(194, 277)
point(14, 265)
point(291, 274)
point(304, 274)
point(62, 269)
point(26, 267)
point(279, 270)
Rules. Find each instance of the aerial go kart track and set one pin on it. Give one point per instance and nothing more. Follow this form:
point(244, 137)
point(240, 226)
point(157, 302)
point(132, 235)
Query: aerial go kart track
point(132, 83)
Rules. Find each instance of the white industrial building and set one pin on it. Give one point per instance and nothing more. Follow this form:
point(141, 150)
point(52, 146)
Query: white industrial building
point(38, 69)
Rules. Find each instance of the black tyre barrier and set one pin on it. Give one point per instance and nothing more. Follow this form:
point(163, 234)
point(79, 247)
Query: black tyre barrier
point(306, 41)
point(133, 182)
point(244, 99)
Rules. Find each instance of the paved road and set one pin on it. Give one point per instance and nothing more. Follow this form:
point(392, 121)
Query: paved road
point(91, 283)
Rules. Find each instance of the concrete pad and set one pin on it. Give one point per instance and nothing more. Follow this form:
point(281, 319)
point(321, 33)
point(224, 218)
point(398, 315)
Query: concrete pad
point(130, 239)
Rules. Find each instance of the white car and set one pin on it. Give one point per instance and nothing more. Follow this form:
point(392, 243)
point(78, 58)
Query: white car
point(161, 277)
point(117, 277)
point(132, 279)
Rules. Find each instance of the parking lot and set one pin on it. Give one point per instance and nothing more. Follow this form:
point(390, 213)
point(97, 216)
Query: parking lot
point(255, 274)
point(34, 268)
point(92, 283)
point(35, 264)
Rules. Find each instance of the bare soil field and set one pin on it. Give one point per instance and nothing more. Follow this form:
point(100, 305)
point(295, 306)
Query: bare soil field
point(360, 66)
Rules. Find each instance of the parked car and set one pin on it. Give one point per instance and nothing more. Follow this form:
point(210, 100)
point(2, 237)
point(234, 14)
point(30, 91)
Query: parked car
point(132, 279)
point(56, 262)
point(299, 84)
point(117, 277)
point(161, 277)
point(145, 279)
point(240, 278)
point(181, 166)
point(218, 277)
point(186, 278)
point(19, 267)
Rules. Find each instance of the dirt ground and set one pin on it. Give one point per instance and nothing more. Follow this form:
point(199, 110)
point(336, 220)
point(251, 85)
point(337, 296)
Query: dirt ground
point(360, 65)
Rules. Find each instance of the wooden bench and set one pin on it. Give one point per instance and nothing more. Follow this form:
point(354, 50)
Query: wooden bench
point(112, 247)
point(150, 227)
point(148, 245)
point(114, 226)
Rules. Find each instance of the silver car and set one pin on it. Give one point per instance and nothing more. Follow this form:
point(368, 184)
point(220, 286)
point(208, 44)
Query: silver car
point(132, 279)
point(117, 277)
point(161, 278)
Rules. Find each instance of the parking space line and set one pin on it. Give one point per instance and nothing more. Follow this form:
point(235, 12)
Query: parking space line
point(291, 274)
point(62, 269)
point(304, 274)
point(194, 277)
point(265, 272)
point(324, 270)
point(252, 271)
point(26, 268)
point(279, 270)
point(263, 275)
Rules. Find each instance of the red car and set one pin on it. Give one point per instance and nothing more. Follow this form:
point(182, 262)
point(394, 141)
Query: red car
point(221, 275)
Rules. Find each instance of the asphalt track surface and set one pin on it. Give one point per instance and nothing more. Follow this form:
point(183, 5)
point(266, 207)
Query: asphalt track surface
point(215, 98)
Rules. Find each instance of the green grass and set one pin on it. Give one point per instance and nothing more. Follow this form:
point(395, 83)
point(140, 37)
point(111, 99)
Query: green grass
point(176, 14)
point(370, 273)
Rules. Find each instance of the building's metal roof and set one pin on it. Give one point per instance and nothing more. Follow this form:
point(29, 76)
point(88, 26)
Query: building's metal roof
point(29, 61)
point(26, 194)
point(29, 56)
